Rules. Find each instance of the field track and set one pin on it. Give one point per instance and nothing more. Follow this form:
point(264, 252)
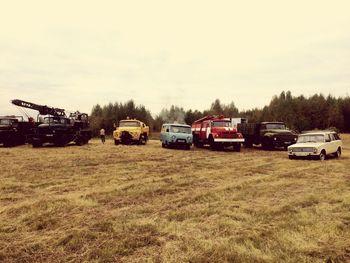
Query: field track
point(107, 203)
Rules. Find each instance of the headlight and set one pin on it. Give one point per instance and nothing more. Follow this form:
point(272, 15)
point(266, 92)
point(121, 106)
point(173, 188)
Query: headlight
point(188, 138)
point(315, 150)
point(295, 138)
point(290, 150)
point(274, 138)
point(173, 137)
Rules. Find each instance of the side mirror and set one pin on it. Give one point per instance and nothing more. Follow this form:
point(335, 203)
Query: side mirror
point(167, 130)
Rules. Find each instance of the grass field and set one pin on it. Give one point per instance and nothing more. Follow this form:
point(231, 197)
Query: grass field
point(106, 203)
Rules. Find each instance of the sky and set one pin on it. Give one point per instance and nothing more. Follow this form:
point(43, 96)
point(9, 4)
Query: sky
point(76, 54)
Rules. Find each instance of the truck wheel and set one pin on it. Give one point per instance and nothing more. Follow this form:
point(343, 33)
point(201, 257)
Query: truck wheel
point(79, 141)
point(266, 145)
point(142, 140)
point(291, 157)
point(237, 147)
point(8, 144)
point(36, 144)
point(163, 145)
point(212, 144)
point(322, 155)
point(248, 144)
point(116, 142)
point(198, 145)
point(188, 147)
point(62, 142)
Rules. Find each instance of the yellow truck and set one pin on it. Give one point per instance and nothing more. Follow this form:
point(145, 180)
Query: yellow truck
point(131, 132)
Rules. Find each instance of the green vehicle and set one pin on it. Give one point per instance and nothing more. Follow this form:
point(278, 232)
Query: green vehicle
point(176, 135)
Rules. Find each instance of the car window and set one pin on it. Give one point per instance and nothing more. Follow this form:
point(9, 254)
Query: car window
point(305, 138)
point(336, 136)
point(327, 138)
point(332, 137)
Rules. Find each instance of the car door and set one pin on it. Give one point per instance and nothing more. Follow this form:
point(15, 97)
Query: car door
point(335, 142)
point(328, 144)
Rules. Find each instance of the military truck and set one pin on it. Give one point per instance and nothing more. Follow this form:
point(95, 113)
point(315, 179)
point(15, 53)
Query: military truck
point(267, 134)
point(14, 130)
point(131, 131)
point(56, 127)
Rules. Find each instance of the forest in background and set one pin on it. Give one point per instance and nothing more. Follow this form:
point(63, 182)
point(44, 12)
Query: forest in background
point(298, 112)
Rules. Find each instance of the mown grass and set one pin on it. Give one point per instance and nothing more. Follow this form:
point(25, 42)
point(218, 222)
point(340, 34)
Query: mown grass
point(106, 203)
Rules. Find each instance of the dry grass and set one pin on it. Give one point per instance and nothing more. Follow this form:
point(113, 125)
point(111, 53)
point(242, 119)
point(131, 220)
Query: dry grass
point(106, 203)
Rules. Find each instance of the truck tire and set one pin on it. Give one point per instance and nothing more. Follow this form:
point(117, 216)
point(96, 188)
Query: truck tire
point(142, 140)
point(266, 145)
point(237, 147)
point(80, 141)
point(196, 141)
point(61, 141)
point(212, 144)
point(116, 142)
point(37, 144)
point(248, 144)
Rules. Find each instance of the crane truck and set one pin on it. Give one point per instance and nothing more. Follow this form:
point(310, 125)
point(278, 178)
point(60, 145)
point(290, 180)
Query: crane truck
point(55, 127)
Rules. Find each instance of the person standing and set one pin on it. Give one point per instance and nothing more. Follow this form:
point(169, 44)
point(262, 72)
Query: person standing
point(103, 135)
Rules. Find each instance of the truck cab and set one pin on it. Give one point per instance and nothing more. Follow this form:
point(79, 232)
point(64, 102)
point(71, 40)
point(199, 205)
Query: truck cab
point(14, 130)
point(131, 131)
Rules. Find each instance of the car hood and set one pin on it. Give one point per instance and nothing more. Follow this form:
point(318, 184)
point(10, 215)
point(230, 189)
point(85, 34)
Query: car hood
point(278, 131)
point(307, 144)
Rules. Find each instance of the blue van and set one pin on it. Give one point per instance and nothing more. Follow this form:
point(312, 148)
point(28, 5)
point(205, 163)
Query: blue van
point(176, 135)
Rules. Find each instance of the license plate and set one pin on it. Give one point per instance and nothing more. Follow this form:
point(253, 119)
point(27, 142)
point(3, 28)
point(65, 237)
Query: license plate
point(181, 140)
point(287, 142)
point(49, 135)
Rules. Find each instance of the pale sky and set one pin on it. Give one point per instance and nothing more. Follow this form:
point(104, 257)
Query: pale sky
point(75, 54)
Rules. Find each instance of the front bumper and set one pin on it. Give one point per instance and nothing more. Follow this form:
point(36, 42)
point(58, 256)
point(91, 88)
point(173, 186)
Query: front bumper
point(47, 138)
point(229, 140)
point(5, 136)
point(303, 154)
point(282, 143)
point(180, 142)
point(127, 137)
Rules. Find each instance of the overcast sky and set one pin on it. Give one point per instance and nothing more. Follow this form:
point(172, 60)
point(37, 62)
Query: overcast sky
point(75, 54)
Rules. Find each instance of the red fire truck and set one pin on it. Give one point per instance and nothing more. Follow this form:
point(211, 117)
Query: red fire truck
point(216, 131)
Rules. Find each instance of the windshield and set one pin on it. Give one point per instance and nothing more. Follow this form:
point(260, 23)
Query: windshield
point(275, 126)
point(221, 124)
point(5, 122)
point(129, 124)
point(53, 120)
point(311, 138)
point(180, 129)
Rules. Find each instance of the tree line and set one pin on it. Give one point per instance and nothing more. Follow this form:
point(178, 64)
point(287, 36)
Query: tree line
point(298, 112)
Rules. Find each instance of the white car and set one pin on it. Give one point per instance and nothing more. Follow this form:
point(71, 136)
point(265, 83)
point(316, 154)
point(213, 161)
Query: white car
point(316, 144)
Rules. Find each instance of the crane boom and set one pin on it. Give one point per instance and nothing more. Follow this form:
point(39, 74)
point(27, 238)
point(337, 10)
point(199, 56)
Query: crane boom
point(42, 109)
